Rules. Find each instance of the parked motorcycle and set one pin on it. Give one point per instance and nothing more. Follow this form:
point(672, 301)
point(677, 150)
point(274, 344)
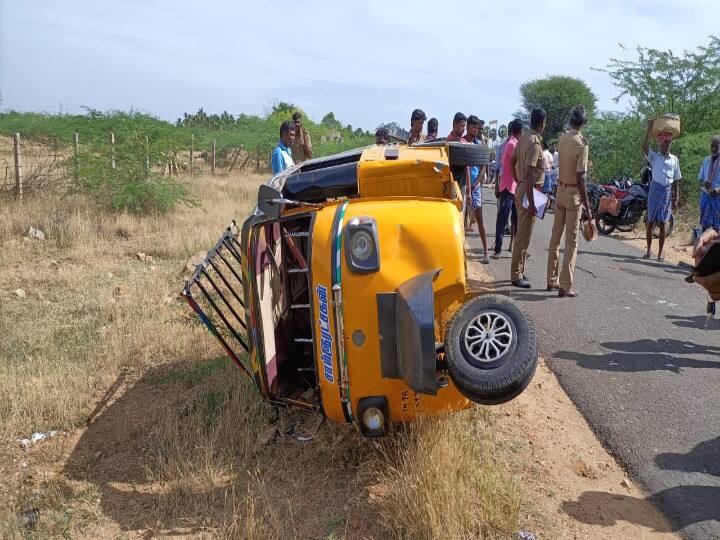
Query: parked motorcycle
point(632, 199)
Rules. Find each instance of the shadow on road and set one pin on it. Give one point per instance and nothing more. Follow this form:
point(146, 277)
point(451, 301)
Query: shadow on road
point(503, 287)
point(703, 458)
point(619, 258)
point(701, 322)
point(662, 345)
point(646, 355)
point(682, 505)
point(526, 295)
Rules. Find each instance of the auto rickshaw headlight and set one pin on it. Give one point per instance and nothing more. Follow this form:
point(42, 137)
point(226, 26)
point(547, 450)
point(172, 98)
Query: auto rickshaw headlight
point(361, 245)
point(373, 419)
point(373, 413)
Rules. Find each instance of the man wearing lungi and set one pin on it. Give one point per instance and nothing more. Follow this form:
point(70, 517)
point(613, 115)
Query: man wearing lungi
point(710, 194)
point(664, 188)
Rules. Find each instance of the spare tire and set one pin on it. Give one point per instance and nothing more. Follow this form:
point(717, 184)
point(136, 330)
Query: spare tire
point(491, 349)
point(464, 154)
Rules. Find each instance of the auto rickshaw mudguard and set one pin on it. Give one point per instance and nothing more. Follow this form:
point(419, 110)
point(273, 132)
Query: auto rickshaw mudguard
point(406, 321)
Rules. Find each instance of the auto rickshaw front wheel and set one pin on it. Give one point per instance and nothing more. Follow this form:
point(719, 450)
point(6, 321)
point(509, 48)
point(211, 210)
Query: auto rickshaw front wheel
point(491, 349)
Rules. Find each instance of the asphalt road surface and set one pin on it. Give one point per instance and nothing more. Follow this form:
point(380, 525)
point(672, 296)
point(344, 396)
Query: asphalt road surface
point(637, 356)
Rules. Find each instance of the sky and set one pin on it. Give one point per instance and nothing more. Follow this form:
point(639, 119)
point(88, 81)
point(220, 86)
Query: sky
point(369, 62)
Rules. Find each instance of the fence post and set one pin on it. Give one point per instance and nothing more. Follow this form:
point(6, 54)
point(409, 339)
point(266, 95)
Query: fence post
point(18, 175)
point(147, 154)
point(235, 158)
point(112, 150)
point(212, 163)
point(76, 145)
point(192, 149)
point(257, 159)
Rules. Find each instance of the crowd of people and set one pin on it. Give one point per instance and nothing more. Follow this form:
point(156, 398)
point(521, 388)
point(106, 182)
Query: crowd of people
point(525, 166)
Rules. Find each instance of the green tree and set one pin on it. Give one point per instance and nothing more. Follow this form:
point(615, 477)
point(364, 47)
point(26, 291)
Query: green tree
point(503, 131)
point(395, 129)
point(614, 141)
point(658, 81)
point(557, 94)
point(329, 121)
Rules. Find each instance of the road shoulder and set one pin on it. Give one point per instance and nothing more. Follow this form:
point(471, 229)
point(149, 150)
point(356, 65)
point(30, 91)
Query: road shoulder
point(574, 487)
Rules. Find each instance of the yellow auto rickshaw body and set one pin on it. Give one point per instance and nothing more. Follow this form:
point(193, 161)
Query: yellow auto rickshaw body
point(417, 207)
point(352, 269)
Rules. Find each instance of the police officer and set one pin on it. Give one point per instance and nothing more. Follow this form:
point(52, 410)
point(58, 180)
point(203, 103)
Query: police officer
point(571, 197)
point(528, 172)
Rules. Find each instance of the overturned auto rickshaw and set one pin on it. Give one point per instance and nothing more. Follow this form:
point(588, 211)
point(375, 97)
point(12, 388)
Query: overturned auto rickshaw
point(346, 292)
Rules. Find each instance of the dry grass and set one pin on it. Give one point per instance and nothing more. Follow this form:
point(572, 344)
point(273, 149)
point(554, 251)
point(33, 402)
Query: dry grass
point(444, 478)
point(171, 446)
point(92, 307)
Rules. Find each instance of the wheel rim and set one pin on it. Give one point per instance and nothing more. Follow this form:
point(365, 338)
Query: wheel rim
point(488, 337)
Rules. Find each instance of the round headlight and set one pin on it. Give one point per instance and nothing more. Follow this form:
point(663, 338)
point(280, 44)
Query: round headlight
point(361, 245)
point(373, 418)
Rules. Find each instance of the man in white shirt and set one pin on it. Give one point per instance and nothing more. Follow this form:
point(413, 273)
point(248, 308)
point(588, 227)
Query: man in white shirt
point(664, 188)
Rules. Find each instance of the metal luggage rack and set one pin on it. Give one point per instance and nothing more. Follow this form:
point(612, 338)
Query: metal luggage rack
point(220, 305)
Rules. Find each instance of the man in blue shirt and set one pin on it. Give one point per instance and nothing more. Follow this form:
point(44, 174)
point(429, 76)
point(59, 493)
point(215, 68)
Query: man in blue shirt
point(710, 190)
point(471, 136)
point(282, 155)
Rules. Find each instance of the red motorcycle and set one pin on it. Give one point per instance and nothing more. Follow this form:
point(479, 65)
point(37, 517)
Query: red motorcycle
point(629, 206)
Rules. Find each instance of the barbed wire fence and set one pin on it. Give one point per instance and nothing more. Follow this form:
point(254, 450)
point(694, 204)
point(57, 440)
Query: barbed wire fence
point(27, 166)
point(31, 165)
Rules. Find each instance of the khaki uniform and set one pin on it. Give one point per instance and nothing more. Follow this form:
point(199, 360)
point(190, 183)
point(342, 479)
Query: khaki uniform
point(302, 146)
point(529, 154)
point(573, 151)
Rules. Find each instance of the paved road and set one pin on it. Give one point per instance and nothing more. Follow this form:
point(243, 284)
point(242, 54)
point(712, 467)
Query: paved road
point(634, 354)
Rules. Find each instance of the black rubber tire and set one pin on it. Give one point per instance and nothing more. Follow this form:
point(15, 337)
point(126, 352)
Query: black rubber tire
point(602, 227)
point(505, 378)
point(464, 155)
point(626, 228)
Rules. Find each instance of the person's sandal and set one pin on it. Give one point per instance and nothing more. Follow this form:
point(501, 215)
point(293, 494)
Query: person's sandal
point(647, 255)
point(562, 293)
point(485, 260)
point(495, 255)
point(661, 257)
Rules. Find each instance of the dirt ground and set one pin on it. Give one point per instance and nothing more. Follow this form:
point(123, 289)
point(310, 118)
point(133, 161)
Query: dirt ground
point(678, 247)
point(155, 435)
point(576, 487)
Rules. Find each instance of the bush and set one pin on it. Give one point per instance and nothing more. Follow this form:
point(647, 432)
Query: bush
point(615, 141)
point(130, 184)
